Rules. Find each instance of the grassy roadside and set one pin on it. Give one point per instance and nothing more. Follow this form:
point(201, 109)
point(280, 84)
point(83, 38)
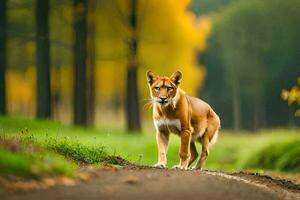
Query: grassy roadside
point(283, 156)
point(27, 159)
point(232, 151)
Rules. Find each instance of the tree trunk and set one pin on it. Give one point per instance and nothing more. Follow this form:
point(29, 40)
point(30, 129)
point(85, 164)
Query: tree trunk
point(80, 97)
point(132, 105)
point(259, 120)
point(256, 115)
point(43, 59)
point(2, 56)
point(56, 91)
point(236, 104)
point(91, 61)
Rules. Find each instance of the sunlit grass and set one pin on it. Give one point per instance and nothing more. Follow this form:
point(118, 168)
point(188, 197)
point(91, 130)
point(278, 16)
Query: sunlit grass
point(77, 151)
point(281, 156)
point(231, 152)
point(30, 160)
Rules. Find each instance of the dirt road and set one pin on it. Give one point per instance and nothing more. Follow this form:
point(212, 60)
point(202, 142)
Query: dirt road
point(152, 184)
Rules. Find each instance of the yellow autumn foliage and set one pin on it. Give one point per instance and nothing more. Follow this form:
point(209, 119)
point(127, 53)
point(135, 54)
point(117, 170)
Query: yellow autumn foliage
point(169, 39)
point(292, 96)
point(21, 91)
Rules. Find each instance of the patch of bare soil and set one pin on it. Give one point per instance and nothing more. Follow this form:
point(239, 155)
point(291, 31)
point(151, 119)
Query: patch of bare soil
point(285, 189)
point(142, 182)
point(292, 176)
point(117, 160)
point(266, 179)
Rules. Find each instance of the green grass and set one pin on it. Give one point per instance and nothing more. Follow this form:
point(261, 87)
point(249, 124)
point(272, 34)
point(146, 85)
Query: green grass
point(30, 160)
point(231, 152)
point(77, 151)
point(72, 149)
point(14, 163)
point(281, 156)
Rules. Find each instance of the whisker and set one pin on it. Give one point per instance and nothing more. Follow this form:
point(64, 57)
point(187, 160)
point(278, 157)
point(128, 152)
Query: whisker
point(146, 100)
point(149, 104)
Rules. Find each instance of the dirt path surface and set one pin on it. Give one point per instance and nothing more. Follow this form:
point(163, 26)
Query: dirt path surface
point(152, 184)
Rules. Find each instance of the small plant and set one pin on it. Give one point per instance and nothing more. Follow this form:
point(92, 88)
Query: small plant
point(77, 151)
point(292, 96)
point(71, 149)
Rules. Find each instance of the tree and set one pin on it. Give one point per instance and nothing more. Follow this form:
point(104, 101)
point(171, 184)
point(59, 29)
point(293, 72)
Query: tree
point(161, 35)
point(2, 55)
point(254, 48)
point(80, 54)
point(204, 7)
point(132, 95)
point(43, 59)
point(91, 57)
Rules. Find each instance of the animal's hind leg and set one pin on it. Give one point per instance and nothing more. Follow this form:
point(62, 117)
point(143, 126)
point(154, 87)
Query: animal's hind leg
point(204, 152)
point(194, 153)
point(210, 133)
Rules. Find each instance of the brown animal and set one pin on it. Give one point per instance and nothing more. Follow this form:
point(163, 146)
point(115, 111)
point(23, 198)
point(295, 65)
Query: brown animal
point(189, 117)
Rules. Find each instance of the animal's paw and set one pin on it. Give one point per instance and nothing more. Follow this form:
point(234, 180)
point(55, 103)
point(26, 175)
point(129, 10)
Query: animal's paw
point(160, 165)
point(196, 168)
point(179, 167)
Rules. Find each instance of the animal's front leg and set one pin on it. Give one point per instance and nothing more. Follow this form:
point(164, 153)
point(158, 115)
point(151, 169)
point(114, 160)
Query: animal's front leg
point(184, 152)
point(162, 139)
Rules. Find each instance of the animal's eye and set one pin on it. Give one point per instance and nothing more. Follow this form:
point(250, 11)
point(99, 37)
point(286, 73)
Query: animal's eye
point(170, 88)
point(156, 89)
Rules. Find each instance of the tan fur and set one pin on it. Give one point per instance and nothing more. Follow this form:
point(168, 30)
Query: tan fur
point(189, 117)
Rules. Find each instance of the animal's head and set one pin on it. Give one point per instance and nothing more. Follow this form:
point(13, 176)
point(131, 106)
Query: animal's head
point(163, 89)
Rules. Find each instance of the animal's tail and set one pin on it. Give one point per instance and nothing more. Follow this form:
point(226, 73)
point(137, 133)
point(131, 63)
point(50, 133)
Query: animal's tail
point(214, 138)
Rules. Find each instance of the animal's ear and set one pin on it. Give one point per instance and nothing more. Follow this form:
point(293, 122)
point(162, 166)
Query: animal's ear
point(151, 77)
point(176, 77)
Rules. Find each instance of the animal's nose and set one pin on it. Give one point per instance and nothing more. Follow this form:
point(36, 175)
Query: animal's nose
point(163, 98)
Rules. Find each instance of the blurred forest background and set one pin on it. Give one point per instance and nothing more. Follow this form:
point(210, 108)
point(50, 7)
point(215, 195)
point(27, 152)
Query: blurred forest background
point(84, 61)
